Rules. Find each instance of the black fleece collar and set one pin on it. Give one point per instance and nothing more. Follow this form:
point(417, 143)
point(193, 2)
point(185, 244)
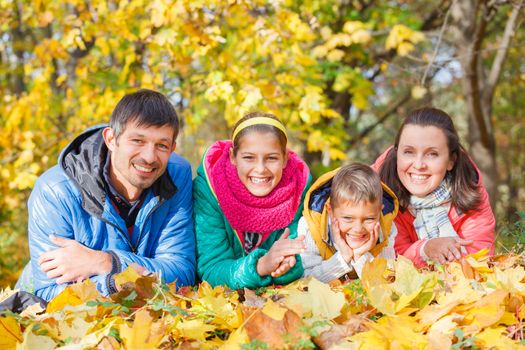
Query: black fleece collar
point(83, 162)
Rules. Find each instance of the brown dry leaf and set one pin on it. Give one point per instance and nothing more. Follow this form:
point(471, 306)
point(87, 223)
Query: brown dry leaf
point(339, 332)
point(75, 294)
point(252, 299)
point(468, 270)
point(264, 328)
point(504, 262)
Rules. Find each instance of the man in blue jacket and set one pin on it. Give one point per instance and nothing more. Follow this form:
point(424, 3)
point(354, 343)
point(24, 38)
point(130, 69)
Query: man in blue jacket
point(118, 196)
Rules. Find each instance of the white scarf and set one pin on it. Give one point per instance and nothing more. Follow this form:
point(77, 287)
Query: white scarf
point(432, 213)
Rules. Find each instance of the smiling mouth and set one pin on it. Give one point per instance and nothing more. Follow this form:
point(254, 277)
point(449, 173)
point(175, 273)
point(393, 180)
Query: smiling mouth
point(419, 177)
point(143, 169)
point(357, 237)
point(260, 180)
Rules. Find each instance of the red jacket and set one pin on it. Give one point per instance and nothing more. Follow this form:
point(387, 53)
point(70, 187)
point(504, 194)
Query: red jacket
point(476, 225)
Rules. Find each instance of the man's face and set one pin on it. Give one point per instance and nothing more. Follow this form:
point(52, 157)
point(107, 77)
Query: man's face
point(138, 157)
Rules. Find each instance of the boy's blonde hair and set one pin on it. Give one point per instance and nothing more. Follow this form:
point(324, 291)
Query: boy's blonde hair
point(356, 183)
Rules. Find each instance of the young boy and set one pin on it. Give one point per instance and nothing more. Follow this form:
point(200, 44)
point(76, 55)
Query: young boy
point(347, 220)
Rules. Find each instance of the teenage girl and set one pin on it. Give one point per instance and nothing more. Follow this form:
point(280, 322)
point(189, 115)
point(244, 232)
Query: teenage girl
point(248, 199)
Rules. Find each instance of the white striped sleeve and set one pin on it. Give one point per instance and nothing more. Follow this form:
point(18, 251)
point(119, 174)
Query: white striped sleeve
point(313, 263)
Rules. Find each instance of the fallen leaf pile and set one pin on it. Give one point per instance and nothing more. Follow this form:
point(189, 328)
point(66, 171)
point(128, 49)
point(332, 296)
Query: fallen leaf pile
point(476, 303)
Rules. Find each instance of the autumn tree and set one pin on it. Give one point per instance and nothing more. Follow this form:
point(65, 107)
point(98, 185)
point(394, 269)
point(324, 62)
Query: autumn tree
point(324, 67)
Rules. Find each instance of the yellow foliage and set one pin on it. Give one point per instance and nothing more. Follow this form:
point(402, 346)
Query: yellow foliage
point(403, 39)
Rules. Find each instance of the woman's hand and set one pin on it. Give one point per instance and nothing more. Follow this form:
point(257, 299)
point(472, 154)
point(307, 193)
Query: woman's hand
point(344, 249)
point(279, 254)
point(369, 244)
point(445, 249)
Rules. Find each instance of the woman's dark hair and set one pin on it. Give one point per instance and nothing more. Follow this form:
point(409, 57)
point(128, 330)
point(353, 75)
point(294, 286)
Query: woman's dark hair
point(261, 128)
point(464, 176)
point(145, 108)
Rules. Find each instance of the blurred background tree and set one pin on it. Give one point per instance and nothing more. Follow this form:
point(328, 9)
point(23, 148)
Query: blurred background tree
point(341, 74)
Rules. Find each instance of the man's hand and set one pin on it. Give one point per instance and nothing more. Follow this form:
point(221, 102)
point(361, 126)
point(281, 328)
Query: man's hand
point(443, 249)
point(281, 250)
point(344, 249)
point(368, 245)
point(73, 262)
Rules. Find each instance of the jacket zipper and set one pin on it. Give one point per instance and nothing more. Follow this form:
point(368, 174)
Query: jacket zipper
point(133, 249)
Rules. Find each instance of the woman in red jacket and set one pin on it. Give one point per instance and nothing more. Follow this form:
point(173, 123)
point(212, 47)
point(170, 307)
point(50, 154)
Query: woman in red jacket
point(445, 210)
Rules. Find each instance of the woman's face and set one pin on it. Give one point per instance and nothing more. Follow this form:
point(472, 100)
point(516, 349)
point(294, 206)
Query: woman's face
point(260, 161)
point(422, 159)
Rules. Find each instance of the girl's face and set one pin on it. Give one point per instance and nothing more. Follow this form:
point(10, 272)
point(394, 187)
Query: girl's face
point(260, 161)
point(422, 159)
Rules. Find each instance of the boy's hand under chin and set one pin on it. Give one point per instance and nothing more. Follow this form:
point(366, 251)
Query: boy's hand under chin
point(369, 244)
point(344, 249)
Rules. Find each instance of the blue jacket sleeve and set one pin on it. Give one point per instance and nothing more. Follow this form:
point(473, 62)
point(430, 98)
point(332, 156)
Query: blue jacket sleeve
point(50, 215)
point(174, 255)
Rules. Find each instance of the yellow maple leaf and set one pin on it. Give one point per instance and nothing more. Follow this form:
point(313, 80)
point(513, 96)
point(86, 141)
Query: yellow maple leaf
point(461, 290)
point(128, 275)
point(33, 341)
point(196, 329)
point(10, 333)
point(273, 310)
point(441, 333)
point(491, 337)
point(73, 328)
point(213, 299)
point(143, 333)
point(510, 279)
point(75, 294)
point(320, 300)
point(432, 313)
point(489, 309)
point(236, 339)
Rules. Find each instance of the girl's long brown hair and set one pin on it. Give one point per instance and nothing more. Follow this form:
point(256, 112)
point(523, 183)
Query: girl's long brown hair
point(464, 176)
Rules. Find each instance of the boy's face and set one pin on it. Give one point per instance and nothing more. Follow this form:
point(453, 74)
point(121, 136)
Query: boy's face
point(356, 220)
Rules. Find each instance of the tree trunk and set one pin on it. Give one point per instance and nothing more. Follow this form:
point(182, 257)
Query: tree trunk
point(468, 27)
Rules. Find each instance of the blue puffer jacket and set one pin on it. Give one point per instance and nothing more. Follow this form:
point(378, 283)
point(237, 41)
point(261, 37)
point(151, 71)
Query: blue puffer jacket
point(162, 241)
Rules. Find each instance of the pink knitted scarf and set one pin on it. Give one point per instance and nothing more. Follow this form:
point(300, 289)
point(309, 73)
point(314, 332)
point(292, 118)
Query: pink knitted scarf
point(248, 213)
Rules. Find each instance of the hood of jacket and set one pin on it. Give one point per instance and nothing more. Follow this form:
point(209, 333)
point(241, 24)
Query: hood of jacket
point(83, 161)
point(316, 214)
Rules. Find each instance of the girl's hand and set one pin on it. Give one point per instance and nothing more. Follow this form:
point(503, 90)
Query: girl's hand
point(280, 250)
point(344, 249)
point(286, 265)
point(368, 245)
point(445, 249)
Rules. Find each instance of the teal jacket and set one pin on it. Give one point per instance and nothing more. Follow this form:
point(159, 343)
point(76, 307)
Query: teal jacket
point(221, 259)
